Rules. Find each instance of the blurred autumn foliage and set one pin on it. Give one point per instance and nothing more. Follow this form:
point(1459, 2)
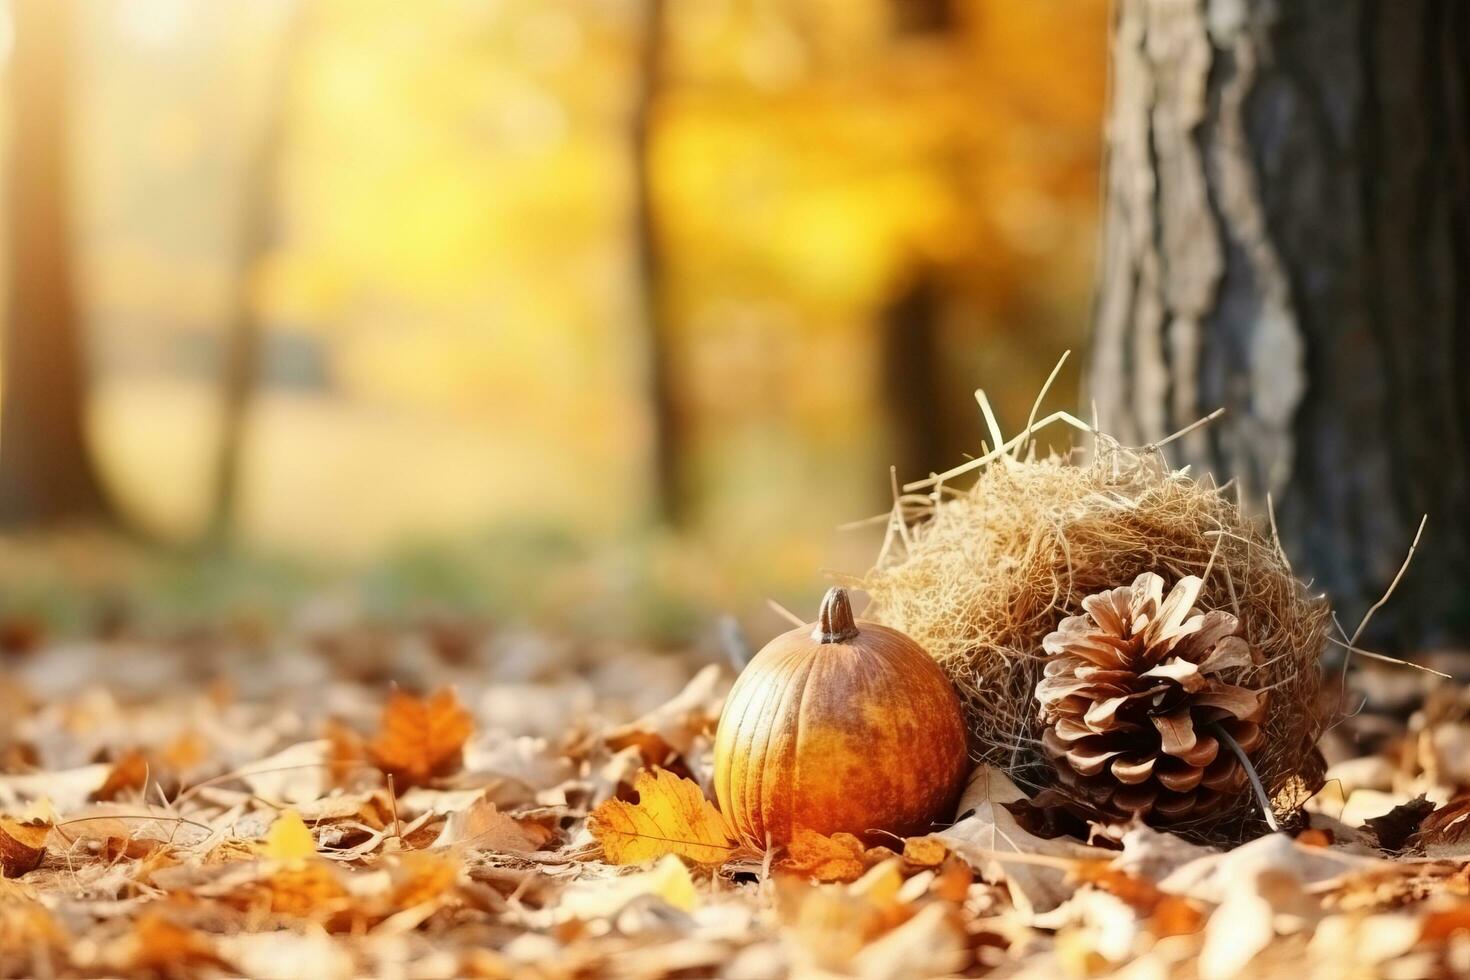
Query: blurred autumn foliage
point(502, 264)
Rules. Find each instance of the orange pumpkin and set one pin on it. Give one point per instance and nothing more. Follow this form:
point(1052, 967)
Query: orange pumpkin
point(839, 727)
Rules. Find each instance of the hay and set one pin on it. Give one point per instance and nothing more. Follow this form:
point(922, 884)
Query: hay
point(980, 577)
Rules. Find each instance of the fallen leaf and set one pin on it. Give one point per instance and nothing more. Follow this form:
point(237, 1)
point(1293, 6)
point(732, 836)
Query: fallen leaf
point(930, 944)
point(22, 845)
point(297, 774)
point(68, 789)
point(926, 852)
point(991, 832)
point(289, 839)
point(129, 774)
point(483, 826)
point(1399, 824)
point(159, 946)
point(671, 729)
point(671, 816)
point(835, 858)
point(420, 738)
point(1445, 833)
point(668, 880)
point(420, 878)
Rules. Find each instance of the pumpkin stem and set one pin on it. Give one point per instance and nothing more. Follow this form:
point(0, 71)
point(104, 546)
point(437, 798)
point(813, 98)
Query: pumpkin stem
point(834, 620)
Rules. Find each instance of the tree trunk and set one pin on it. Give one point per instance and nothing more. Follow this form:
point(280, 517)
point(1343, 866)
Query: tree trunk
point(924, 436)
point(245, 334)
point(671, 493)
point(1287, 235)
point(46, 472)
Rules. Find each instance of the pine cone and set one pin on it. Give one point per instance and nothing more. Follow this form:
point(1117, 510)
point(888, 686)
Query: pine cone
point(1131, 694)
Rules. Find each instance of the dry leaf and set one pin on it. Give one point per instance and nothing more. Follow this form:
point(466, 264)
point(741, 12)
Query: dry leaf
point(129, 773)
point(671, 816)
point(835, 858)
point(931, 944)
point(926, 852)
point(295, 775)
point(670, 729)
point(289, 839)
point(668, 880)
point(990, 832)
point(481, 825)
point(159, 946)
point(1445, 833)
point(22, 845)
point(420, 738)
point(420, 878)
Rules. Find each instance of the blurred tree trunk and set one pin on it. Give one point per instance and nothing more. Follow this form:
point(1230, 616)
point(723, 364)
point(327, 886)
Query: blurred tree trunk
point(245, 334)
point(1287, 234)
point(925, 439)
point(46, 472)
point(668, 426)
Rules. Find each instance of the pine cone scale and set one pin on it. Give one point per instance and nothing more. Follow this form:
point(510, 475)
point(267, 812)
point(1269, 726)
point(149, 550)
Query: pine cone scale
point(1129, 695)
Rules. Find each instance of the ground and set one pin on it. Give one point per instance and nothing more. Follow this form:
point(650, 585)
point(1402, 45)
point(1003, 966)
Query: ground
point(336, 796)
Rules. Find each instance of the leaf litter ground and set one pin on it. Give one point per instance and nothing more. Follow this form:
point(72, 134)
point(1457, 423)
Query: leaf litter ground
point(359, 800)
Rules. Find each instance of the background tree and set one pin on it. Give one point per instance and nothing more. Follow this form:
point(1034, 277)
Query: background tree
point(46, 472)
point(1287, 234)
point(245, 334)
point(670, 498)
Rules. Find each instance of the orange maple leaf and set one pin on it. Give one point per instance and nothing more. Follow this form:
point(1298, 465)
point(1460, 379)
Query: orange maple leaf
point(421, 738)
point(671, 816)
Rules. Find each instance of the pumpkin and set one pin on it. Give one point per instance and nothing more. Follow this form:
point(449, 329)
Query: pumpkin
point(839, 726)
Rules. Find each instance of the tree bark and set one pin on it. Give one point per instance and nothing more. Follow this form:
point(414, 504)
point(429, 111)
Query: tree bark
point(670, 492)
point(46, 472)
point(1287, 235)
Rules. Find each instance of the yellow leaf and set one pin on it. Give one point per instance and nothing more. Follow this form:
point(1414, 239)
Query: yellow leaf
point(880, 885)
point(289, 839)
point(668, 879)
point(671, 816)
point(926, 852)
point(421, 737)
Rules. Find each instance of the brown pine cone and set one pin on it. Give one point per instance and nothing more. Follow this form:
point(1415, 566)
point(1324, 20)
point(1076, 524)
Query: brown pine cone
point(1130, 697)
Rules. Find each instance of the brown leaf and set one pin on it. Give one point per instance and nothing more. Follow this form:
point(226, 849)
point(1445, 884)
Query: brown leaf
point(421, 738)
point(1446, 831)
point(1399, 824)
point(671, 729)
point(22, 845)
point(484, 827)
point(671, 816)
point(129, 774)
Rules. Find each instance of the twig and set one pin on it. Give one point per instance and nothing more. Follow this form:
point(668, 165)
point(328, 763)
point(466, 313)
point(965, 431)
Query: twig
point(393, 806)
point(1413, 546)
point(1262, 800)
point(1385, 658)
point(785, 613)
point(1186, 430)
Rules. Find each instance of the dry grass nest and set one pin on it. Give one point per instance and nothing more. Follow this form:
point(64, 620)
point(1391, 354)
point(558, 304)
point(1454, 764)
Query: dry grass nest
point(980, 577)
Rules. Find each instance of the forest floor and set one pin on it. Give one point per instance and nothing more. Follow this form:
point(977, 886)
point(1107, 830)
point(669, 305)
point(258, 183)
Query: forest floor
point(347, 798)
